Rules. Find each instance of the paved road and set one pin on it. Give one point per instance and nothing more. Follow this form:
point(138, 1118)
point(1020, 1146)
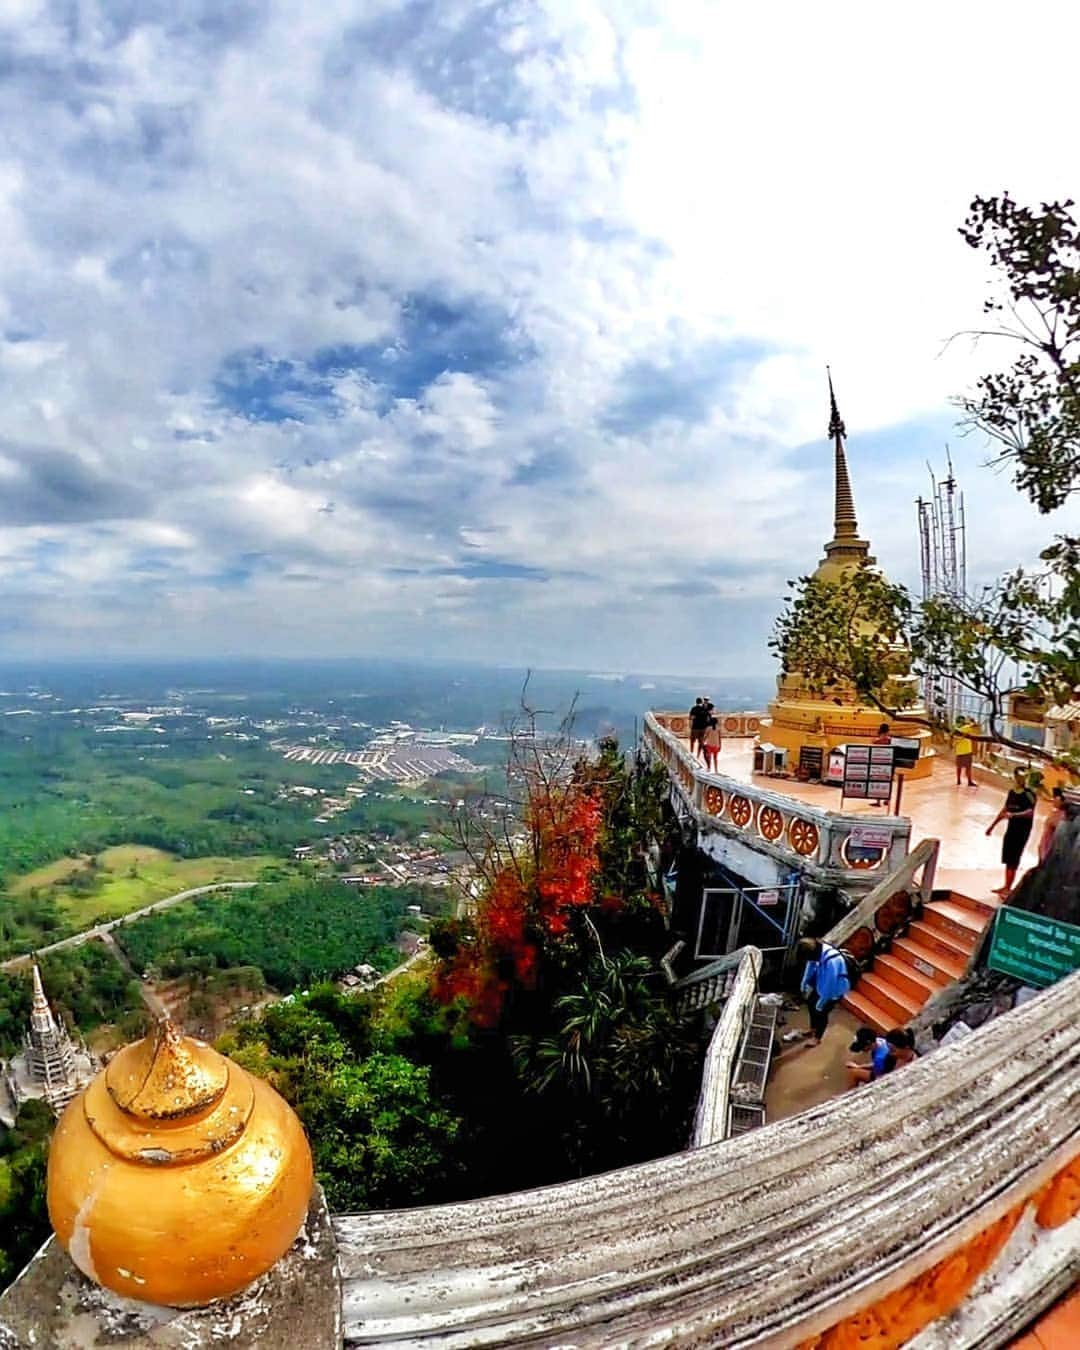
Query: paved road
point(418, 955)
point(157, 1009)
point(100, 930)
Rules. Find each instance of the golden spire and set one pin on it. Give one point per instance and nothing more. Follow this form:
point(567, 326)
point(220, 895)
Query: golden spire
point(166, 1077)
point(845, 526)
point(177, 1177)
point(845, 548)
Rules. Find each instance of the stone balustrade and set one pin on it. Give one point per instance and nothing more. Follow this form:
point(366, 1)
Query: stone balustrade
point(790, 832)
point(938, 1209)
point(942, 1202)
point(711, 1118)
point(871, 924)
point(707, 984)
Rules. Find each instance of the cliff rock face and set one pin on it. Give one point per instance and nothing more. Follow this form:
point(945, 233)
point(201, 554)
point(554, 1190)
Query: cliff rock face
point(1054, 890)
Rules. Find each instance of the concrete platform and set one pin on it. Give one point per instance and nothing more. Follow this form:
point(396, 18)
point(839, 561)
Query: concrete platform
point(937, 808)
point(802, 1075)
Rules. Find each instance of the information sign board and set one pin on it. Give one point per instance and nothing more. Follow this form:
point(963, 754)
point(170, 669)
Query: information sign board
point(868, 772)
point(1037, 950)
point(811, 761)
point(906, 752)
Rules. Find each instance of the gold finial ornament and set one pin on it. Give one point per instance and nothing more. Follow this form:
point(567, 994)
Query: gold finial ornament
point(177, 1177)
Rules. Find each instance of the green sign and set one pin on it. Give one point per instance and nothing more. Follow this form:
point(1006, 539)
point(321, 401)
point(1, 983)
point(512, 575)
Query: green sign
point(1035, 949)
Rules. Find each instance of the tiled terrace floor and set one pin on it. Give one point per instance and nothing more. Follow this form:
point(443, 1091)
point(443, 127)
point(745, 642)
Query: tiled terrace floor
point(804, 1076)
point(969, 861)
point(1059, 1329)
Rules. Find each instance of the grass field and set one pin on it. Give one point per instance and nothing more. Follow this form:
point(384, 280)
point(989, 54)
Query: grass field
point(131, 876)
point(47, 875)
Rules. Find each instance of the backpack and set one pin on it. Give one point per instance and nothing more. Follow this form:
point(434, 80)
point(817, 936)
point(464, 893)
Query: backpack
point(852, 967)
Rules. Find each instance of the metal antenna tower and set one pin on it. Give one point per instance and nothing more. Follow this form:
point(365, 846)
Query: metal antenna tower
point(943, 554)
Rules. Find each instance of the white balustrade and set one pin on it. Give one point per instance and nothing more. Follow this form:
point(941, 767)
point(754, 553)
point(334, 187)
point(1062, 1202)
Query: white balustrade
point(771, 821)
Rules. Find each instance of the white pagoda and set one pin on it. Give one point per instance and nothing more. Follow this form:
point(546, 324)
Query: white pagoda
point(52, 1067)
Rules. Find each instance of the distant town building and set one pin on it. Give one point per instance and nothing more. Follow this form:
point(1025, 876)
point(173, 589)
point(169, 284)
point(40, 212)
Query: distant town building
point(52, 1066)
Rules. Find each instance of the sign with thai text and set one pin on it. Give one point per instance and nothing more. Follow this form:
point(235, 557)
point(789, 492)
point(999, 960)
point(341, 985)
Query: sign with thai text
point(1037, 950)
point(870, 836)
point(868, 772)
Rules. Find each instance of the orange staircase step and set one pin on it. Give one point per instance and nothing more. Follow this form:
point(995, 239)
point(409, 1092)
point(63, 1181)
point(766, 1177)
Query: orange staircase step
point(986, 909)
point(880, 990)
point(866, 1011)
point(935, 965)
point(906, 977)
point(951, 913)
point(939, 939)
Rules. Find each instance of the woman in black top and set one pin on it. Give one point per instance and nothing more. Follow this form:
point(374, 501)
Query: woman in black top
point(1019, 811)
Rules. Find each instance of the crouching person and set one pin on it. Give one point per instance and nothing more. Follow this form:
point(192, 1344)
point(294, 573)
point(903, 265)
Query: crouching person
point(891, 1051)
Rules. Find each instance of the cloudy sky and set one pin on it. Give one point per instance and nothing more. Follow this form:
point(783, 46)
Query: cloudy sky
point(490, 331)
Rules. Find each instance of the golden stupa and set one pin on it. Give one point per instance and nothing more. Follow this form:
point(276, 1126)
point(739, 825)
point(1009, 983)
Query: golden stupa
point(176, 1177)
point(802, 716)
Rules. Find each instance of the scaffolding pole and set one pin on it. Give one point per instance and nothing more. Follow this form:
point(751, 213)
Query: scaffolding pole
point(943, 556)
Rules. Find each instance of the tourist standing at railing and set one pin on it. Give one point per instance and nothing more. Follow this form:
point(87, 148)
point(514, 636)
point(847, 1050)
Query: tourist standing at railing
point(824, 983)
point(1019, 811)
point(711, 743)
point(699, 720)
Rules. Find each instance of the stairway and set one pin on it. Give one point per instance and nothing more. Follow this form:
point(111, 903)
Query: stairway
point(930, 956)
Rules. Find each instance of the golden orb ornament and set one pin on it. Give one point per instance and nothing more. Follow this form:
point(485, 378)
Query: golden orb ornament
point(177, 1177)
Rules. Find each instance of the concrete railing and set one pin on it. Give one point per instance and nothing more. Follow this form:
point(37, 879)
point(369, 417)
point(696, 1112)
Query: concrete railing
point(937, 1209)
point(816, 841)
point(878, 915)
point(711, 1118)
point(706, 984)
point(942, 1202)
point(733, 725)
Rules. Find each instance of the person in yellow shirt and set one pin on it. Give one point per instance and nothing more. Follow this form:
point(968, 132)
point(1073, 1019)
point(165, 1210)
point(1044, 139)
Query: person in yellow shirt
point(964, 750)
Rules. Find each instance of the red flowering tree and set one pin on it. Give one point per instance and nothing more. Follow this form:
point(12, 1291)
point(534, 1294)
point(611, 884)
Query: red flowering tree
point(562, 862)
point(555, 970)
point(532, 885)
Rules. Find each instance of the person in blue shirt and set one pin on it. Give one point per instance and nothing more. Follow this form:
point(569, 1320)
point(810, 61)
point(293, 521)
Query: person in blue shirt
point(824, 983)
point(878, 1047)
point(888, 1052)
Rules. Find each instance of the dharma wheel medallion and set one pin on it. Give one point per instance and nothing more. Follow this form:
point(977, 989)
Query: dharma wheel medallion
point(770, 823)
point(804, 836)
point(177, 1177)
point(740, 810)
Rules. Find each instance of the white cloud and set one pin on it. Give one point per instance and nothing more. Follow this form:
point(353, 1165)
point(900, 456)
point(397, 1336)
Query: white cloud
point(581, 265)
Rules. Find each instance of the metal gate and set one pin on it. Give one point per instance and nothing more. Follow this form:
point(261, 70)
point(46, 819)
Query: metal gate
point(766, 917)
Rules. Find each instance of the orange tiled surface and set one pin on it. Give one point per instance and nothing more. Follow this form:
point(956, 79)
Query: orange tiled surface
point(969, 863)
point(1059, 1329)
